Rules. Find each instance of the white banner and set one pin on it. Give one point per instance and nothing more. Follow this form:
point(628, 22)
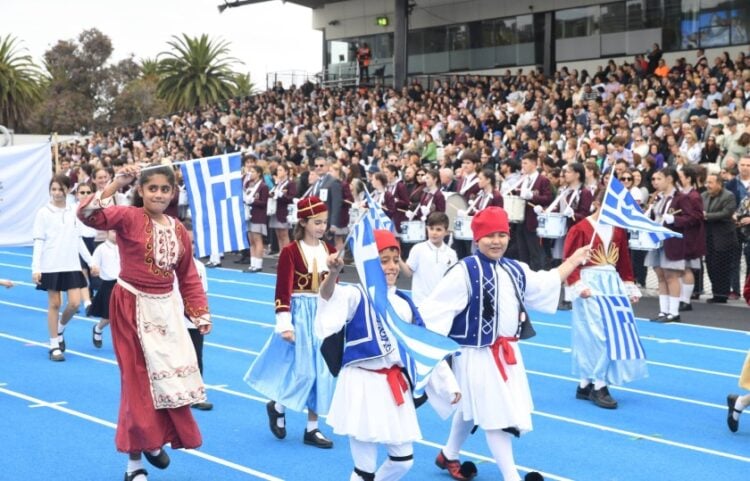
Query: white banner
point(25, 174)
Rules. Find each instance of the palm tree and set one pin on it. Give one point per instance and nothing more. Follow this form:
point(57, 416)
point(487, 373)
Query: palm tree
point(20, 83)
point(197, 72)
point(245, 86)
point(149, 68)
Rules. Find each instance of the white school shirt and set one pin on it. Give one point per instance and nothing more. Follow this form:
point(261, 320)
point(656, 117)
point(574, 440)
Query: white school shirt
point(57, 241)
point(429, 264)
point(107, 258)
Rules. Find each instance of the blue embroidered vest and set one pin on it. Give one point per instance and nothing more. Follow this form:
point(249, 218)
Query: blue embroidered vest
point(477, 324)
point(365, 337)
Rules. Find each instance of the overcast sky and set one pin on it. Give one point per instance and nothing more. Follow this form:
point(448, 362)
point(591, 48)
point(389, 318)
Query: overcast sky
point(268, 37)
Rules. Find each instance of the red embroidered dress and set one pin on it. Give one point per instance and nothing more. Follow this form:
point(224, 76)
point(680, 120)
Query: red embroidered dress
point(150, 257)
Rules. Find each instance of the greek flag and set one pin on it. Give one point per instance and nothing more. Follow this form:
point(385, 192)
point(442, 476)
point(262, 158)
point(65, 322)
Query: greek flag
point(214, 186)
point(623, 341)
point(379, 218)
point(621, 210)
point(421, 349)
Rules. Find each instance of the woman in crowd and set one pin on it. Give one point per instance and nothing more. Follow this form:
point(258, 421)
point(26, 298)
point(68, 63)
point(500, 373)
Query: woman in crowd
point(256, 199)
point(283, 194)
point(154, 408)
point(693, 232)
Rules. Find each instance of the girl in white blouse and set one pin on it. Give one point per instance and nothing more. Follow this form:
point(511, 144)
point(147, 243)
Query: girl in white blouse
point(55, 265)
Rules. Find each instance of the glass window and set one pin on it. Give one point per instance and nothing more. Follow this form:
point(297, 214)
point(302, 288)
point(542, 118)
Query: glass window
point(484, 35)
point(381, 45)
point(505, 31)
point(740, 26)
point(457, 37)
point(434, 39)
point(653, 13)
point(577, 22)
point(524, 28)
point(714, 23)
point(613, 17)
point(415, 42)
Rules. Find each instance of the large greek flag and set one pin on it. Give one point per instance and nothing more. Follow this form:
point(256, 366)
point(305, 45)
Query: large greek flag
point(620, 329)
point(214, 186)
point(421, 349)
point(621, 210)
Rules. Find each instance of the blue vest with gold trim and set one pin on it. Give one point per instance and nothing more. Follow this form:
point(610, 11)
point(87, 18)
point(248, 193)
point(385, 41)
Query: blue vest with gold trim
point(476, 325)
point(365, 337)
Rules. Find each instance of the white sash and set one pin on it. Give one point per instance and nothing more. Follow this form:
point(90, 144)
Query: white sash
point(171, 362)
point(469, 185)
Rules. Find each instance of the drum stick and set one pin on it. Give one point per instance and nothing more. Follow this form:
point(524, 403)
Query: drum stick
point(676, 212)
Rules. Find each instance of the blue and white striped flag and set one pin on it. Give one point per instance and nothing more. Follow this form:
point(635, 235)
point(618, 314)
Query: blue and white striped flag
point(214, 186)
point(621, 210)
point(623, 342)
point(421, 349)
point(379, 218)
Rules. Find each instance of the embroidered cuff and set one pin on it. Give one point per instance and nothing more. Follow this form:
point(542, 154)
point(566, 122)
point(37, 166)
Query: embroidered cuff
point(203, 320)
point(97, 203)
point(283, 322)
point(577, 288)
point(633, 290)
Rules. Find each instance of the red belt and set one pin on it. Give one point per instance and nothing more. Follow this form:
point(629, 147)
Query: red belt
point(509, 355)
point(395, 378)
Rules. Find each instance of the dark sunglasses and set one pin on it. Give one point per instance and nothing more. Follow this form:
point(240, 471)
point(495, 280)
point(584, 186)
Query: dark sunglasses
point(626, 178)
point(320, 165)
point(85, 192)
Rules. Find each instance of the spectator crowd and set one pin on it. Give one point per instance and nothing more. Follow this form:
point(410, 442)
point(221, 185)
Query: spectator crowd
point(536, 145)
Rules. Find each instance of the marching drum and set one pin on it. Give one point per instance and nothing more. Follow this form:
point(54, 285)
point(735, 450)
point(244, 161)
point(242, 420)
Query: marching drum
point(454, 202)
point(413, 231)
point(641, 241)
point(462, 228)
point(515, 207)
point(291, 216)
point(552, 225)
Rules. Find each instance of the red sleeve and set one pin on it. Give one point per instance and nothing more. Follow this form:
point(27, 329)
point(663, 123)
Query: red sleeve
point(543, 195)
point(583, 209)
point(402, 196)
point(113, 217)
point(261, 197)
point(285, 278)
point(576, 238)
point(191, 288)
point(624, 263)
point(691, 211)
point(439, 202)
point(389, 205)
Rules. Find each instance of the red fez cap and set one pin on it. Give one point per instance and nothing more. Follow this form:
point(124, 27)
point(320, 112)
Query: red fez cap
point(310, 207)
point(488, 221)
point(385, 239)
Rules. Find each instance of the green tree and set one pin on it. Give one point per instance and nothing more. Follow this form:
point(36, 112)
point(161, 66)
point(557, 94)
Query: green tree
point(245, 86)
point(21, 84)
point(196, 72)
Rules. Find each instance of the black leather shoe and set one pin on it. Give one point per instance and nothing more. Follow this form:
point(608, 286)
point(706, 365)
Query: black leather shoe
point(585, 392)
point(97, 342)
point(160, 460)
point(316, 438)
point(565, 306)
point(717, 300)
point(273, 415)
point(212, 265)
point(242, 260)
point(204, 406)
point(684, 306)
point(733, 424)
point(658, 318)
point(533, 476)
point(253, 269)
point(62, 341)
point(601, 398)
point(667, 318)
point(135, 474)
point(56, 355)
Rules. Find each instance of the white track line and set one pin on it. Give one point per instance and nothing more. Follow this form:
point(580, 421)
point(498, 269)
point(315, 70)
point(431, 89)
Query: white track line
point(72, 412)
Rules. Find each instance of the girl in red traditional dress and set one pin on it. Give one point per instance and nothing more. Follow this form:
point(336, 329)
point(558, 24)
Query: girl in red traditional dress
point(290, 369)
point(158, 367)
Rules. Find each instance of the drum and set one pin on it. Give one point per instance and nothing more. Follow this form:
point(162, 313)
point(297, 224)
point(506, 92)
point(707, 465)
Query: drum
point(354, 214)
point(454, 202)
point(413, 231)
point(291, 216)
point(641, 241)
point(462, 228)
point(515, 207)
point(552, 225)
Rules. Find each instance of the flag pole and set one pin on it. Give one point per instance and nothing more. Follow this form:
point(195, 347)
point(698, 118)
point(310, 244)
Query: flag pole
point(57, 152)
point(599, 216)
